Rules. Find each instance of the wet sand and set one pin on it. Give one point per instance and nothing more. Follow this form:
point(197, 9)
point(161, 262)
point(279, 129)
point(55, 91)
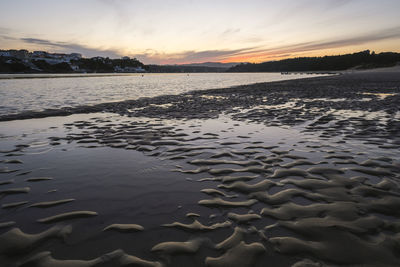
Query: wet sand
point(295, 173)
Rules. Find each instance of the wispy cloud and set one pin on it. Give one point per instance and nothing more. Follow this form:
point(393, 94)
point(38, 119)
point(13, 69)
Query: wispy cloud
point(261, 53)
point(391, 33)
point(249, 53)
point(282, 51)
point(187, 56)
point(71, 47)
point(230, 31)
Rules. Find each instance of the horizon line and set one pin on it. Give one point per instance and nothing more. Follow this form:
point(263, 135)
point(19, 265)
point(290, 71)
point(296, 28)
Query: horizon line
point(192, 63)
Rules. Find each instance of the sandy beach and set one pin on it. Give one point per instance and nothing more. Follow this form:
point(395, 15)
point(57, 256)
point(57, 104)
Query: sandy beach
point(290, 173)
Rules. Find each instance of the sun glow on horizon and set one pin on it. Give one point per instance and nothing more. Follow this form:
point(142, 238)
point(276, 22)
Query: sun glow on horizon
point(178, 32)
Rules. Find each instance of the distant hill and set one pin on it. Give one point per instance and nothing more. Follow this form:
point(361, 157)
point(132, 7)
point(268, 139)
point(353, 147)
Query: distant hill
point(213, 64)
point(360, 60)
point(23, 61)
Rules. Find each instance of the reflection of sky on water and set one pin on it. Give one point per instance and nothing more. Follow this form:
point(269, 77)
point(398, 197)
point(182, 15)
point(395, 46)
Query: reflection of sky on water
point(17, 95)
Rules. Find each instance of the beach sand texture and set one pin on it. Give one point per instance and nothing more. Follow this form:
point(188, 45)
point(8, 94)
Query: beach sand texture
point(291, 173)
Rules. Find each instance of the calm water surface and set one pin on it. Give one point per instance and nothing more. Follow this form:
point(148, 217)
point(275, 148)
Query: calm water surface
point(39, 93)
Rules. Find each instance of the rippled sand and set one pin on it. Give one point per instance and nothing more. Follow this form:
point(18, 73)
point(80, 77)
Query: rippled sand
point(294, 182)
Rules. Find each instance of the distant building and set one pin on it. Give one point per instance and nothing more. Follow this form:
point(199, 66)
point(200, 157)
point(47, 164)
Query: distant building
point(20, 54)
point(126, 58)
point(140, 69)
point(98, 58)
point(129, 69)
point(55, 58)
point(74, 67)
point(72, 56)
point(75, 56)
point(39, 54)
point(5, 53)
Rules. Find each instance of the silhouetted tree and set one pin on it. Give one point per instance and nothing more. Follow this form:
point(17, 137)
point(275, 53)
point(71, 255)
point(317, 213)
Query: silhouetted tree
point(360, 60)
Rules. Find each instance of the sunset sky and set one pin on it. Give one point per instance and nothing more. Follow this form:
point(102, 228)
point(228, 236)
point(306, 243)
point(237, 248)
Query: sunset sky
point(174, 32)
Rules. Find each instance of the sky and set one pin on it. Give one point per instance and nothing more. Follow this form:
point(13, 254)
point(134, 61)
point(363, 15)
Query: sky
point(188, 31)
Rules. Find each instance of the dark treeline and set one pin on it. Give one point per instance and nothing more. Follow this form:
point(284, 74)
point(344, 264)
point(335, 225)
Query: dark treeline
point(13, 67)
point(182, 68)
point(360, 60)
point(52, 68)
point(106, 65)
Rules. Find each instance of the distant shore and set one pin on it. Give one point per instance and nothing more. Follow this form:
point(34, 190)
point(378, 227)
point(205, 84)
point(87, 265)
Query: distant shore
point(61, 75)
point(77, 75)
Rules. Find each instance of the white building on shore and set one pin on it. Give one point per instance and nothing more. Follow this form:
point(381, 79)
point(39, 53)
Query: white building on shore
point(54, 58)
point(129, 69)
point(20, 54)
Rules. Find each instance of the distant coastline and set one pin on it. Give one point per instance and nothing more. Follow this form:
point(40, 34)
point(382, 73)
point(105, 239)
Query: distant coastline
point(42, 62)
point(58, 75)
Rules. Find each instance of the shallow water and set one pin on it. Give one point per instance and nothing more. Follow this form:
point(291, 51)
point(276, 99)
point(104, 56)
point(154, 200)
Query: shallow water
point(38, 94)
point(246, 176)
point(144, 171)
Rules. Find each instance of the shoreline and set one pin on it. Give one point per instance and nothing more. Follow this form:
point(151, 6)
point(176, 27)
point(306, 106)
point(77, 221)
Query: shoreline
point(103, 106)
point(208, 103)
point(5, 76)
point(10, 76)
